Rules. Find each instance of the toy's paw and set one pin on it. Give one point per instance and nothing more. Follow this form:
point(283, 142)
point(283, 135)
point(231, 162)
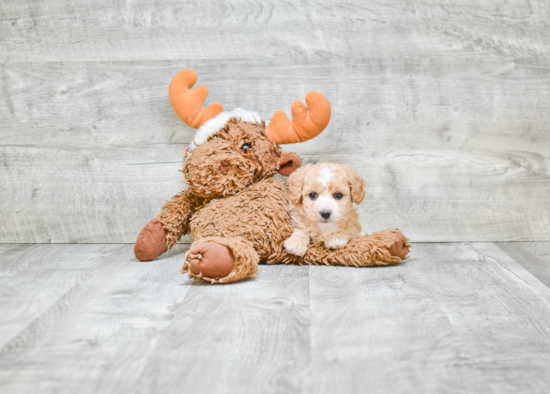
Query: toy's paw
point(296, 246)
point(337, 241)
point(401, 247)
point(151, 241)
point(212, 259)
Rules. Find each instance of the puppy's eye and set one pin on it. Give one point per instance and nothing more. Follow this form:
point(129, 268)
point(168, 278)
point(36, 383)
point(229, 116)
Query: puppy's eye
point(338, 196)
point(313, 195)
point(246, 147)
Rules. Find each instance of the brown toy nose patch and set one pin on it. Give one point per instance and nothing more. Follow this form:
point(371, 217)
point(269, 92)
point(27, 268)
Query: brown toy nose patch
point(225, 167)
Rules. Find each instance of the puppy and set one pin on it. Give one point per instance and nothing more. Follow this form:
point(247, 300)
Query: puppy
point(321, 204)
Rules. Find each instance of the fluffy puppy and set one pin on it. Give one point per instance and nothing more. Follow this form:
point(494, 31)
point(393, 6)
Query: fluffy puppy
point(322, 198)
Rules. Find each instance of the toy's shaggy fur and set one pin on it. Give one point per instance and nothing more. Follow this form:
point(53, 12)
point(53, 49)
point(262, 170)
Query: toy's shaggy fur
point(247, 211)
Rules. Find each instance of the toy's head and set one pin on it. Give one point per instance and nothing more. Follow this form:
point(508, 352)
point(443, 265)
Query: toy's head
point(232, 150)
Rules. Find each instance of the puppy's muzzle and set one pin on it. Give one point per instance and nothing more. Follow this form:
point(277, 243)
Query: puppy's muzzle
point(325, 214)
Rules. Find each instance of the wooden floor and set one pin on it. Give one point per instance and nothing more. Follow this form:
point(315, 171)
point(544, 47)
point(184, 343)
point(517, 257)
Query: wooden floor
point(458, 317)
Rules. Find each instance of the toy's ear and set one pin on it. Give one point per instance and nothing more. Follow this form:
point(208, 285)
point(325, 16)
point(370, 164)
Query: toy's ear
point(289, 163)
point(296, 185)
point(357, 186)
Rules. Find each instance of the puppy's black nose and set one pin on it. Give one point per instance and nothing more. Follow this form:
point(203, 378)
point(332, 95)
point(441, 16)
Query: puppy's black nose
point(325, 214)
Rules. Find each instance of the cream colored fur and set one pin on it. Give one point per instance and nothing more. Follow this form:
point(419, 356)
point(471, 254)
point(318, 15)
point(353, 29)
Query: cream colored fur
point(325, 181)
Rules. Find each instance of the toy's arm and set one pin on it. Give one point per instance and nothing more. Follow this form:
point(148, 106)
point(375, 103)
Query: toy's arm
point(176, 215)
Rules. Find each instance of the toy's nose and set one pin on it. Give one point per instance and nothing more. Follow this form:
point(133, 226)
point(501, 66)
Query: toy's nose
point(325, 214)
point(225, 167)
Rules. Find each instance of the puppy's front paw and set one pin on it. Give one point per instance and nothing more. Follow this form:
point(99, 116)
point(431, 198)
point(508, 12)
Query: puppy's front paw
point(296, 247)
point(337, 241)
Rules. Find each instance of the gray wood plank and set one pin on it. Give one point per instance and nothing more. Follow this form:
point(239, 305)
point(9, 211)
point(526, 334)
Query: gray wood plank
point(250, 337)
point(34, 277)
point(90, 195)
point(90, 318)
point(127, 326)
point(533, 256)
point(454, 318)
point(100, 313)
point(8, 251)
point(90, 150)
point(145, 29)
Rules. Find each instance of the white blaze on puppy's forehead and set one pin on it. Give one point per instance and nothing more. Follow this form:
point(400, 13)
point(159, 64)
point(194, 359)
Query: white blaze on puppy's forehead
point(326, 173)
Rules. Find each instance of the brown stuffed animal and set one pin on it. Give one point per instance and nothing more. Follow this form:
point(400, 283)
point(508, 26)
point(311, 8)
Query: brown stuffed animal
point(236, 212)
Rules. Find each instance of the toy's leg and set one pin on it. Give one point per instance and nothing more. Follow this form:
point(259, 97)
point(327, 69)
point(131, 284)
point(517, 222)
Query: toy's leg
point(380, 248)
point(221, 260)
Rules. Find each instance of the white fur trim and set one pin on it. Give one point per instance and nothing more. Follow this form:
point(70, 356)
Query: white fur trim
point(214, 125)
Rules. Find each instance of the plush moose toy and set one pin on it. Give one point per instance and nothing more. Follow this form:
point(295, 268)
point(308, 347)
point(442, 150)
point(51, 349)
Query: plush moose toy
point(236, 212)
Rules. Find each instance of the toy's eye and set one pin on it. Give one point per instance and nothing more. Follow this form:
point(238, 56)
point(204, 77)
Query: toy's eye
point(338, 196)
point(313, 195)
point(245, 147)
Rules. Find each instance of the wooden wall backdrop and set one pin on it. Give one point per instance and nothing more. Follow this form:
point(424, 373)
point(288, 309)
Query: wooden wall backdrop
point(443, 106)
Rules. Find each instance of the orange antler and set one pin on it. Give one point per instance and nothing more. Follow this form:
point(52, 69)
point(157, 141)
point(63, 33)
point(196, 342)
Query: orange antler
point(187, 102)
point(306, 124)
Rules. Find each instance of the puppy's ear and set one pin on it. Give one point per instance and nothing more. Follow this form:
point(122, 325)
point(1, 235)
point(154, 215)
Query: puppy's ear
point(356, 185)
point(296, 185)
point(289, 162)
